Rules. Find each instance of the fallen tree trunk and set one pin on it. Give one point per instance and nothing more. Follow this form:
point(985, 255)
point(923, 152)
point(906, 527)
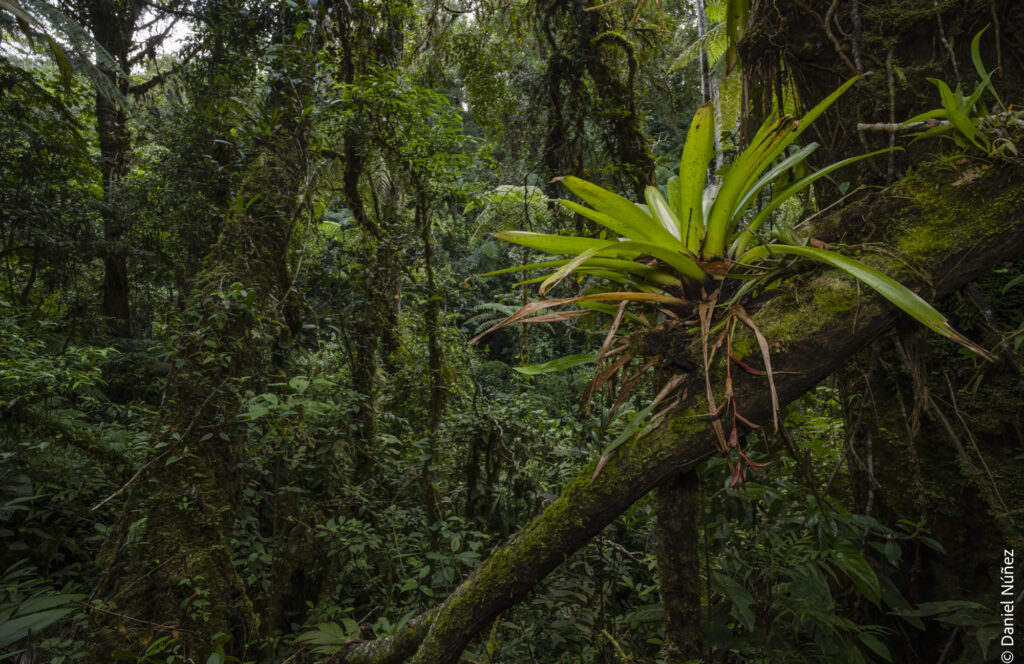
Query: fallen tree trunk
point(940, 227)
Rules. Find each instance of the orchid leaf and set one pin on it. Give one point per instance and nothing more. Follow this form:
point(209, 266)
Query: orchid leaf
point(933, 114)
point(980, 67)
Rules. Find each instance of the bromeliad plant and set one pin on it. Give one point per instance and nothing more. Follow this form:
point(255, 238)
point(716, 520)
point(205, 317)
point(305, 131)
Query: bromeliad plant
point(673, 253)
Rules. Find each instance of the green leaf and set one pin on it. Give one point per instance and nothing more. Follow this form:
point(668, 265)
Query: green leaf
point(15, 8)
point(803, 123)
point(963, 124)
point(879, 648)
point(629, 267)
point(562, 244)
point(15, 629)
point(892, 598)
point(949, 100)
point(740, 598)
point(559, 364)
point(257, 410)
point(781, 197)
point(736, 16)
point(634, 222)
point(559, 244)
point(774, 172)
point(44, 602)
point(631, 428)
point(976, 95)
point(609, 222)
point(933, 114)
point(684, 265)
point(663, 213)
point(63, 64)
point(927, 609)
point(693, 168)
point(327, 637)
point(738, 179)
point(884, 285)
point(849, 560)
point(562, 272)
point(672, 193)
point(979, 66)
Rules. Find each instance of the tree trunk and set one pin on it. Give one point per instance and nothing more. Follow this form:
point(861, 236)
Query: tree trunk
point(945, 456)
point(950, 231)
point(170, 553)
point(677, 503)
point(113, 27)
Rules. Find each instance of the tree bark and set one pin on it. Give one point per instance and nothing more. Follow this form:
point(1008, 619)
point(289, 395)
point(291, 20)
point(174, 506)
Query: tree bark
point(677, 503)
point(949, 230)
point(113, 26)
point(169, 557)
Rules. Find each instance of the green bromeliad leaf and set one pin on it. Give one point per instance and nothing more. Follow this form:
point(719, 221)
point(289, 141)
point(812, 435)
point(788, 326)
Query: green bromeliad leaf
point(559, 364)
point(698, 152)
point(881, 283)
point(631, 221)
point(565, 244)
point(740, 245)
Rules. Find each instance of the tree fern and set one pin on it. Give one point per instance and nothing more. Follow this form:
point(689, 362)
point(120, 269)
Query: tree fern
point(508, 207)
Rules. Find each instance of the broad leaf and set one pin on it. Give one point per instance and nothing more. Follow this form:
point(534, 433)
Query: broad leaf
point(698, 151)
point(634, 222)
point(560, 244)
point(15, 629)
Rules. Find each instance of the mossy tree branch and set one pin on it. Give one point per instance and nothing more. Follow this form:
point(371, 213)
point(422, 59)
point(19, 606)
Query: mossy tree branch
point(940, 228)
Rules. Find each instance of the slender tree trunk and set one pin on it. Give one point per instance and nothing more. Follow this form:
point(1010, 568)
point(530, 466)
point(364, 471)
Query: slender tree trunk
point(435, 360)
point(113, 26)
point(677, 503)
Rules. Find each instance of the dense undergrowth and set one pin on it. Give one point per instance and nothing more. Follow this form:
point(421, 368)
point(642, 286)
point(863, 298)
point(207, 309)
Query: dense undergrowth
point(366, 458)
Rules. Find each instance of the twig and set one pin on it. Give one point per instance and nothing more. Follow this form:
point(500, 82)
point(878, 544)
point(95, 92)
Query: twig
point(891, 173)
point(904, 126)
point(990, 318)
point(974, 443)
point(146, 465)
point(945, 42)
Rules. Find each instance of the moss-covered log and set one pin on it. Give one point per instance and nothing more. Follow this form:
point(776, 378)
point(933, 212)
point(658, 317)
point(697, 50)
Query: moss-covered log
point(391, 650)
point(942, 230)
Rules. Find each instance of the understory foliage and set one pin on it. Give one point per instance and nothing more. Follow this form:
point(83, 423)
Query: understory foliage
point(282, 441)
